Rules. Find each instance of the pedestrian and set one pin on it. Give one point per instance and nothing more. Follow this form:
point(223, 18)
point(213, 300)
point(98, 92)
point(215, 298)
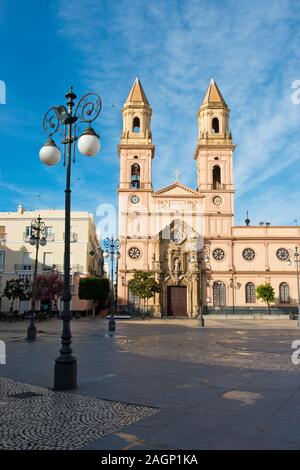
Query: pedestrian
point(112, 323)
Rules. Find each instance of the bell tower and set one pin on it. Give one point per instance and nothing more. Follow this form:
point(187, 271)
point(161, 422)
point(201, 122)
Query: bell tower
point(136, 152)
point(214, 153)
point(136, 149)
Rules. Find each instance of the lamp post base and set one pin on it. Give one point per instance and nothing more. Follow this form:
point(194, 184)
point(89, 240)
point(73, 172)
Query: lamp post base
point(31, 333)
point(65, 374)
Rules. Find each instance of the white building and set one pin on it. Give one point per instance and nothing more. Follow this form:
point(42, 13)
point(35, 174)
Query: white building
point(17, 256)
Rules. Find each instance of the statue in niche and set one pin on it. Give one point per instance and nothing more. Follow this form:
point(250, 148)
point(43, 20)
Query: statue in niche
point(176, 265)
point(193, 258)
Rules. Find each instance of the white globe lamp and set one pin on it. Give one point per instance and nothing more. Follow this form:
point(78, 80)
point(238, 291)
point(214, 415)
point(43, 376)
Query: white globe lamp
point(50, 153)
point(89, 142)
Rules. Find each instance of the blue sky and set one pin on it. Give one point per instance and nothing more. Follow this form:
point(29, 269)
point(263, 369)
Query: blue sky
point(175, 47)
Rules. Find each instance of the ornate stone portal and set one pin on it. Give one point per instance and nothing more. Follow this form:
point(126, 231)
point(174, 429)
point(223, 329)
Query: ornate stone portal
point(178, 265)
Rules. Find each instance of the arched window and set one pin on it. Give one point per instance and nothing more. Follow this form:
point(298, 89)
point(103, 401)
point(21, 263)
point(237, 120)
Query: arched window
point(215, 126)
point(216, 177)
point(219, 294)
point(135, 175)
point(250, 293)
point(136, 125)
point(284, 293)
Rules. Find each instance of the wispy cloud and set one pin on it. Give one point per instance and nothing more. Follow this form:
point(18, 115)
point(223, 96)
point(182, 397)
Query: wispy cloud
point(176, 46)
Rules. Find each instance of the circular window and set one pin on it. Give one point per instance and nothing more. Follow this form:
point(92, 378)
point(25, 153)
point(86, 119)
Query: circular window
point(217, 200)
point(134, 252)
point(248, 254)
point(219, 254)
point(134, 198)
point(282, 254)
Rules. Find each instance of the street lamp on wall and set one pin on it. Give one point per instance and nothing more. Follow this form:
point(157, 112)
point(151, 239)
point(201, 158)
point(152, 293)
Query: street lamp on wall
point(204, 258)
point(37, 239)
point(64, 118)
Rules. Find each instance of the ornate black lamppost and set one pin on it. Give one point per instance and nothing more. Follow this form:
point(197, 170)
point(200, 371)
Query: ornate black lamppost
point(112, 246)
point(37, 238)
point(296, 258)
point(63, 118)
point(205, 259)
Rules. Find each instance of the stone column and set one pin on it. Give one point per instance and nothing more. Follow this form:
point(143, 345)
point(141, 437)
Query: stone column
point(196, 287)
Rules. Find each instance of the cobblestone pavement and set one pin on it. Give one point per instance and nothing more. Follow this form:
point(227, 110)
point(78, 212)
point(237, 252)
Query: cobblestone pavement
point(33, 417)
point(231, 387)
point(267, 349)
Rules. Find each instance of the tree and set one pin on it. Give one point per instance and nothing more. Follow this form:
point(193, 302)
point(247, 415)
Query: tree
point(95, 289)
point(266, 293)
point(16, 289)
point(49, 287)
point(144, 286)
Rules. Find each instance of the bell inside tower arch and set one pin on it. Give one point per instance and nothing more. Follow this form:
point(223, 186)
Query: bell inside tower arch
point(135, 176)
point(216, 177)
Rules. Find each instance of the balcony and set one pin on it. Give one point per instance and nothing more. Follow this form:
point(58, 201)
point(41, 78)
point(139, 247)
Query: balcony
point(48, 268)
point(129, 186)
point(50, 237)
point(73, 237)
point(23, 267)
point(219, 186)
point(75, 268)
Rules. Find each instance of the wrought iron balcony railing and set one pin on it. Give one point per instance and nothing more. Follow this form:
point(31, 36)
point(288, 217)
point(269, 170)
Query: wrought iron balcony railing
point(48, 268)
point(75, 268)
point(50, 237)
point(73, 237)
point(23, 267)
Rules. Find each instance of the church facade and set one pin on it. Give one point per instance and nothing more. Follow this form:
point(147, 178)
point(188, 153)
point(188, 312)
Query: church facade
point(186, 236)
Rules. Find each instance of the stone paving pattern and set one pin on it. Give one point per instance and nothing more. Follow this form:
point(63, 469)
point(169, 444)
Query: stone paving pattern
point(34, 418)
point(229, 386)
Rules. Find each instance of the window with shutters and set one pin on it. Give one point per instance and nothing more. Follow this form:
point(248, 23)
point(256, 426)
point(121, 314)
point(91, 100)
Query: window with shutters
point(250, 293)
point(219, 294)
point(2, 258)
point(284, 293)
point(2, 232)
point(48, 261)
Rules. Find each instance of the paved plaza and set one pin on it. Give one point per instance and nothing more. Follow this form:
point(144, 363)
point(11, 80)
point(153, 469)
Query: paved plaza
point(34, 418)
point(158, 384)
